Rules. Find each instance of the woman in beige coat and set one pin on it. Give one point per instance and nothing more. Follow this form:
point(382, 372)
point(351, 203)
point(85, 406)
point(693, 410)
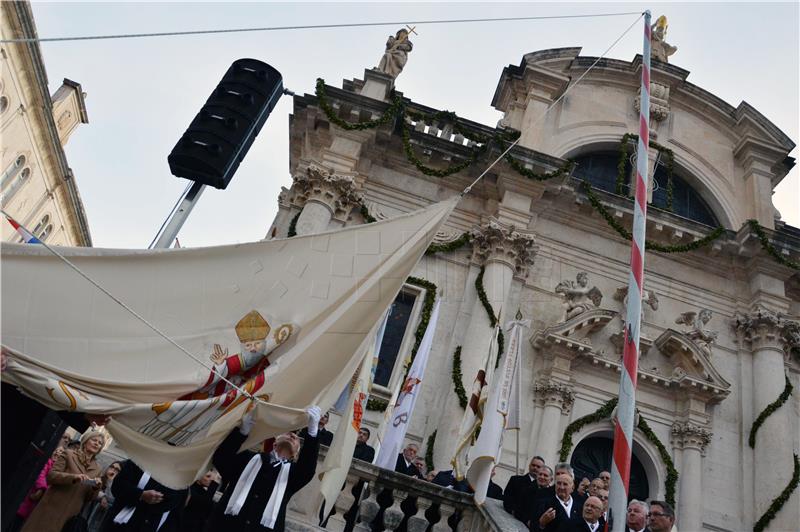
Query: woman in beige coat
point(73, 480)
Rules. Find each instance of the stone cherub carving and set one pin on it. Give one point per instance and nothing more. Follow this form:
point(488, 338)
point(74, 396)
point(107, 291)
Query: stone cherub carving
point(396, 54)
point(578, 297)
point(660, 49)
point(698, 333)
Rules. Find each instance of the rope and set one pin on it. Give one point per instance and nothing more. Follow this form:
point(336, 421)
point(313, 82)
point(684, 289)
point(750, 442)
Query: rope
point(141, 318)
point(305, 27)
point(540, 117)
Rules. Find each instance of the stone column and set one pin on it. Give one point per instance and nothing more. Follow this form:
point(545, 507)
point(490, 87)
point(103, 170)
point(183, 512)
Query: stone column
point(765, 332)
point(505, 253)
point(558, 399)
point(323, 196)
point(692, 439)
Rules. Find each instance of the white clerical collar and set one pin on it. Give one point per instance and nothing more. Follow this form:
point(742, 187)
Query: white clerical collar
point(567, 505)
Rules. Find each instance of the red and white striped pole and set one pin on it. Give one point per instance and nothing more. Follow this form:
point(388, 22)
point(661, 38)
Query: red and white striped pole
point(623, 429)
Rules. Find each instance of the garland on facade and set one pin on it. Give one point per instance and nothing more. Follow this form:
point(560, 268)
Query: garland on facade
point(459, 242)
point(565, 170)
point(769, 248)
point(429, 451)
point(665, 152)
point(603, 413)
point(448, 116)
point(368, 218)
point(780, 500)
point(427, 308)
point(392, 111)
point(772, 407)
point(293, 225)
point(458, 379)
point(652, 246)
point(493, 319)
point(436, 172)
point(376, 404)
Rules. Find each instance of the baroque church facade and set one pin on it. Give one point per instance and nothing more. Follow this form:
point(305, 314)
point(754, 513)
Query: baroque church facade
point(720, 337)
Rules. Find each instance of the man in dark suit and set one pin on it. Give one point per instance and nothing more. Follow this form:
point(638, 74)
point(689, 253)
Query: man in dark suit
point(589, 521)
point(636, 518)
point(363, 451)
point(553, 511)
point(324, 436)
point(517, 487)
point(405, 461)
point(404, 465)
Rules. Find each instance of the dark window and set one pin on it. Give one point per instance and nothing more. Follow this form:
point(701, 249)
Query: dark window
point(396, 327)
point(593, 455)
point(600, 170)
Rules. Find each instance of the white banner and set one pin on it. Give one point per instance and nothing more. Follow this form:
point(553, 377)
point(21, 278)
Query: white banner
point(283, 320)
point(392, 441)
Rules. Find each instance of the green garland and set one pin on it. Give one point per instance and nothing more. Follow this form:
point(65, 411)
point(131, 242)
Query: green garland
point(429, 451)
point(652, 246)
point(427, 308)
point(493, 319)
point(769, 248)
point(772, 407)
point(435, 172)
point(377, 404)
point(458, 379)
point(619, 187)
point(293, 225)
point(392, 111)
point(603, 413)
point(779, 501)
point(459, 242)
point(448, 116)
point(368, 218)
point(565, 170)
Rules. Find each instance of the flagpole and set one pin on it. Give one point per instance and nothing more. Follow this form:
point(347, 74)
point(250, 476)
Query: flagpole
point(626, 407)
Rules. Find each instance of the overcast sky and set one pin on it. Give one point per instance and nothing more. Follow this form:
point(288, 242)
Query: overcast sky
point(142, 93)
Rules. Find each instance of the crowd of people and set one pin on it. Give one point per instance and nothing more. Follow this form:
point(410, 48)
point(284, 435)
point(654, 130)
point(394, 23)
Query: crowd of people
point(249, 491)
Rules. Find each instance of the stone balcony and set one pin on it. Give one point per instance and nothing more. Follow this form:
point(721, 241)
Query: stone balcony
point(436, 508)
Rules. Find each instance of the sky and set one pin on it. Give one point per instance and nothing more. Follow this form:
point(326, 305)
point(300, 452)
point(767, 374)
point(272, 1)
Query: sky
point(143, 93)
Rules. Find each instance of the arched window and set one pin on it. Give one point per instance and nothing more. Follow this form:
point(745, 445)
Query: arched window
point(600, 170)
point(12, 170)
point(46, 232)
point(3, 104)
point(16, 184)
point(393, 335)
point(41, 226)
point(594, 454)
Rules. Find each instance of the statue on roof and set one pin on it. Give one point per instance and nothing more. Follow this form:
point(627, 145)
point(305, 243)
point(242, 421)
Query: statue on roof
point(660, 49)
point(396, 54)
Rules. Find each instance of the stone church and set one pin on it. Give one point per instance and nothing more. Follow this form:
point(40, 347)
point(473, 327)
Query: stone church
point(543, 233)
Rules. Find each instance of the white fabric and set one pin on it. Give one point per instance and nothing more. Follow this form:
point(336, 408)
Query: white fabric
point(243, 485)
point(126, 513)
point(392, 442)
point(314, 415)
point(485, 454)
point(273, 507)
point(333, 473)
point(71, 347)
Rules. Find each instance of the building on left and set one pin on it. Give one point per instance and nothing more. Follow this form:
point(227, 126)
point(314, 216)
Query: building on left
point(37, 186)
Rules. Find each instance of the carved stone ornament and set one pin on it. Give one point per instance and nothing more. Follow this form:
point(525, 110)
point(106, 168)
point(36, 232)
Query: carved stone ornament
point(791, 335)
point(762, 327)
point(337, 191)
point(697, 332)
point(659, 102)
point(554, 394)
point(650, 299)
point(497, 242)
point(690, 436)
point(578, 297)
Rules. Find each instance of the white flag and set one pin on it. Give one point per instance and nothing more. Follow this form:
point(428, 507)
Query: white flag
point(282, 320)
point(340, 455)
point(487, 449)
point(392, 442)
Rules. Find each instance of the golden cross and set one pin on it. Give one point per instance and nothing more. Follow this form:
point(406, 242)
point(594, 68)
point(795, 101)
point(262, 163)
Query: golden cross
point(408, 32)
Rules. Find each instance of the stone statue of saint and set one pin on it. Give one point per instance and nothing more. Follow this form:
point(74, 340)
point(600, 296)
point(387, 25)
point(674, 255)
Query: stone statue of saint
point(660, 49)
point(698, 333)
point(578, 297)
point(396, 54)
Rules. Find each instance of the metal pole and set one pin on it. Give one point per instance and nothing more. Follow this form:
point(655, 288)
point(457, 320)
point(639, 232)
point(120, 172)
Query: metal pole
point(626, 408)
point(177, 218)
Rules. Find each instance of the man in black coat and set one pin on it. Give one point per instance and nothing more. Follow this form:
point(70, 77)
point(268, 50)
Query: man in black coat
point(201, 502)
point(589, 521)
point(141, 504)
point(363, 451)
point(261, 484)
point(517, 487)
point(324, 436)
point(554, 510)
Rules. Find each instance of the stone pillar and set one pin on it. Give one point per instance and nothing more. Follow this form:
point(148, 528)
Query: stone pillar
point(765, 332)
point(505, 252)
point(692, 439)
point(323, 196)
point(558, 399)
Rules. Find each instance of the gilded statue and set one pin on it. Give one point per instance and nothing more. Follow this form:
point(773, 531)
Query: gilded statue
point(660, 49)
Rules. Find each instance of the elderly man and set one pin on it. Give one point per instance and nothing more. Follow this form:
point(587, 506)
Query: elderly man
point(636, 519)
point(324, 436)
point(405, 461)
point(662, 516)
point(517, 487)
point(558, 509)
point(596, 484)
point(605, 476)
point(589, 520)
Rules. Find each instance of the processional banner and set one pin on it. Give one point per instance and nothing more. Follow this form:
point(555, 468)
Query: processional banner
point(283, 320)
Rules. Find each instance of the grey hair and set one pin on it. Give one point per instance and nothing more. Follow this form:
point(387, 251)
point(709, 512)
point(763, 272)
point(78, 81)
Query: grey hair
point(643, 504)
point(567, 467)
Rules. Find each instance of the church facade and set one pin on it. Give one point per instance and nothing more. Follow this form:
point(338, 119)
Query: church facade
point(544, 233)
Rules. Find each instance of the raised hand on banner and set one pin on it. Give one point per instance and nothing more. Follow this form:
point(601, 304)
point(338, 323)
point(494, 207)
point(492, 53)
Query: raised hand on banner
point(314, 415)
point(218, 355)
point(248, 420)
